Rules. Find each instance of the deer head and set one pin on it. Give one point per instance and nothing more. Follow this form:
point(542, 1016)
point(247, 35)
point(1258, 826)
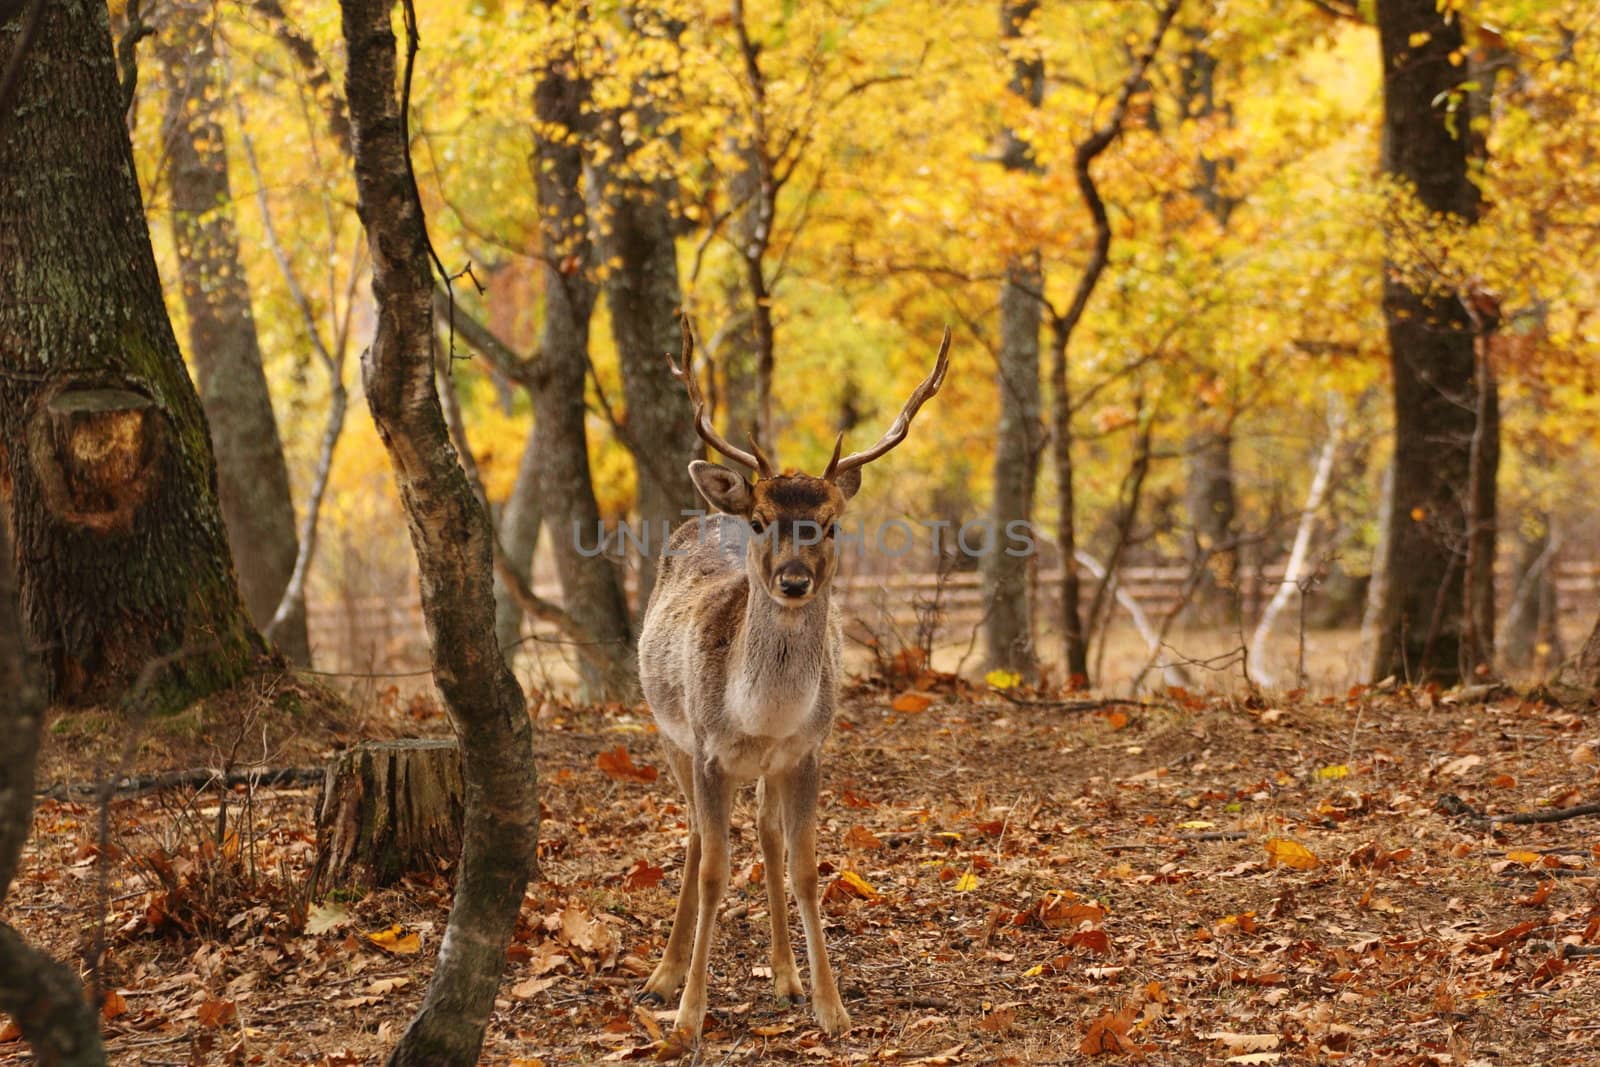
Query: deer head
point(792, 517)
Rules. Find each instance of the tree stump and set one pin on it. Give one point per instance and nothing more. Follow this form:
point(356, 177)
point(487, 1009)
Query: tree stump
point(389, 808)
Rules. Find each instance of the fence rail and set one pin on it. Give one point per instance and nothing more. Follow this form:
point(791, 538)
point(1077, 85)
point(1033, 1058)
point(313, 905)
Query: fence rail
point(368, 632)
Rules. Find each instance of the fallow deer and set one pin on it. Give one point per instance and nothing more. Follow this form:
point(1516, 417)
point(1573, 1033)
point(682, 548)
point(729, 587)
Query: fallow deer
point(740, 661)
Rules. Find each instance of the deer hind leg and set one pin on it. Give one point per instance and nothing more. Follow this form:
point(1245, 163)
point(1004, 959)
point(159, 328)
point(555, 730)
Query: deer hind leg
point(668, 975)
point(713, 799)
point(800, 827)
point(786, 985)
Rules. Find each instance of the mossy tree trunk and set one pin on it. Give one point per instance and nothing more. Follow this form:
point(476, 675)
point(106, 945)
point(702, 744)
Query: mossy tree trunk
point(451, 534)
point(122, 558)
point(252, 478)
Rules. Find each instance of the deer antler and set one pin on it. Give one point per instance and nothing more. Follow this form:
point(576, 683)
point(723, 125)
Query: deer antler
point(897, 429)
point(702, 421)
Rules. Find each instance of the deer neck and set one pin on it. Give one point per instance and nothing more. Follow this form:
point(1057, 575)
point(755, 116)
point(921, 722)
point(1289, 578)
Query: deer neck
point(778, 663)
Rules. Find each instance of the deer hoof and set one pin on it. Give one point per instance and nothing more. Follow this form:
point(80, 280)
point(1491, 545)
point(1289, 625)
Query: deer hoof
point(833, 1019)
point(651, 997)
point(785, 1001)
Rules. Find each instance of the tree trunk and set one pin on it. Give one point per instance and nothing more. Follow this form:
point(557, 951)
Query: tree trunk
point(591, 585)
point(389, 809)
point(451, 534)
point(1589, 662)
point(1208, 483)
point(1483, 457)
point(1431, 352)
point(519, 538)
point(1529, 640)
point(122, 556)
point(1007, 579)
point(642, 290)
point(252, 479)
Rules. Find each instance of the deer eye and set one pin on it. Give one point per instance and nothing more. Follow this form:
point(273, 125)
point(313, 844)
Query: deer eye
point(757, 526)
point(833, 528)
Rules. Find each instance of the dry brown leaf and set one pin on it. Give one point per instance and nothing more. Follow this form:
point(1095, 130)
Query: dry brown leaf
point(113, 1005)
point(642, 875)
point(214, 1013)
point(861, 838)
point(384, 986)
point(1244, 1042)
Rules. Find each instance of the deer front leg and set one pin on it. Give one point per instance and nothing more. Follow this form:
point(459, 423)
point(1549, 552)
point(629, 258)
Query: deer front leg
point(786, 985)
point(800, 826)
point(713, 795)
point(668, 975)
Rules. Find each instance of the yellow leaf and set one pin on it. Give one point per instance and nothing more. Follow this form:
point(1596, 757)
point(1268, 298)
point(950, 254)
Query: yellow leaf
point(1292, 854)
point(396, 940)
point(1003, 679)
point(1196, 824)
point(1337, 770)
point(966, 883)
point(1523, 856)
point(1033, 972)
point(1418, 39)
point(858, 885)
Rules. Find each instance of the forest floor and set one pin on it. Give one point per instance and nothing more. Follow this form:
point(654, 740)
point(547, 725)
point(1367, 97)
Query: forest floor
point(1193, 880)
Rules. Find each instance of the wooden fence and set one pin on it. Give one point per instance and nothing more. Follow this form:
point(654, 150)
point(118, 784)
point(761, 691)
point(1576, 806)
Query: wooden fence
point(387, 633)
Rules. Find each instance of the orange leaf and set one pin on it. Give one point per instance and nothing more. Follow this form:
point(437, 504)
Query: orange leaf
point(113, 1005)
point(1095, 941)
point(1292, 854)
point(10, 1031)
point(395, 940)
point(912, 701)
point(851, 884)
point(862, 838)
point(642, 876)
point(1108, 1036)
point(215, 1013)
point(616, 763)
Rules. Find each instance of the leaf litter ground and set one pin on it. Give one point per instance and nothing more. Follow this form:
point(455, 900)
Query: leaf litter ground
point(1191, 881)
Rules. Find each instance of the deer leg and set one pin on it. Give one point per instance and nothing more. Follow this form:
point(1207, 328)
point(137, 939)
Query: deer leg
point(785, 975)
point(713, 799)
point(800, 826)
point(668, 975)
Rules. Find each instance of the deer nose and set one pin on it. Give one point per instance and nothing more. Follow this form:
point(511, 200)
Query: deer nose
point(793, 579)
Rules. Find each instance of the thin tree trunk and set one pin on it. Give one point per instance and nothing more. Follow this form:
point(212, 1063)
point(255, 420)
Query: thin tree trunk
point(519, 538)
point(121, 548)
point(1533, 595)
point(591, 584)
point(1589, 661)
point(1483, 465)
point(1295, 570)
point(1431, 351)
point(252, 478)
point(1007, 587)
point(453, 539)
point(1075, 629)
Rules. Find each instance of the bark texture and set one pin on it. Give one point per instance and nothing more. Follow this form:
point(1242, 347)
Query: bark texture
point(591, 583)
point(519, 537)
point(1589, 661)
point(389, 809)
point(122, 556)
point(1007, 579)
point(642, 290)
point(451, 534)
point(1431, 352)
point(252, 478)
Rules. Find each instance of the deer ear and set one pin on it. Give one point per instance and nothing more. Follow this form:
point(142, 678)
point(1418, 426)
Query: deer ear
point(848, 482)
point(723, 489)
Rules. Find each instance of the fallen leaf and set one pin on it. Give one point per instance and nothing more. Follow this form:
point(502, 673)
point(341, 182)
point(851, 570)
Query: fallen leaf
point(998, 1021)
point(642, 875)
point(385, 986)
point(912, 701)
point(616, 763)
point(1291, 854)
point(1336, 770)
point(323, 918)
point(532, 987)
point(966, 883)
point(395, 940)
point(10, 1031)
point(1244, 1042)
point(998, 679)
point(113, 1005)
point(852, 884)
point(1457, 767)
point(1255, 1057)
point(214, 1013)
point(1524, 857)
point(862, 838)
